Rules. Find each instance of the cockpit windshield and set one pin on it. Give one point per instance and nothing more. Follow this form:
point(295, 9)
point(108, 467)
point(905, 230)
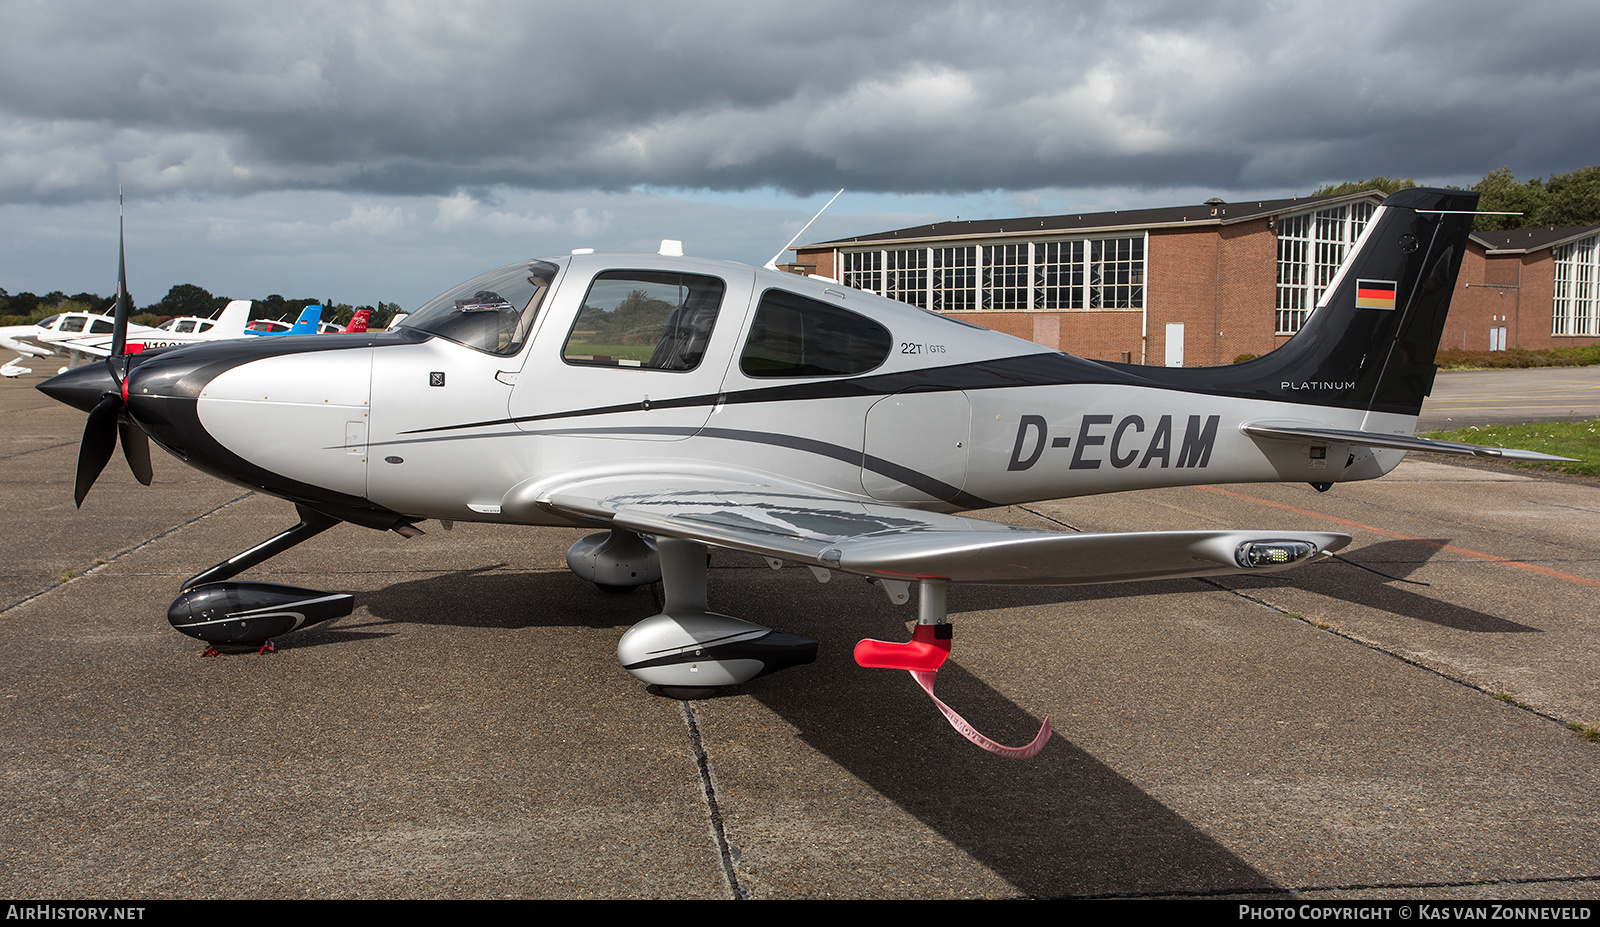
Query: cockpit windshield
point(492, 312)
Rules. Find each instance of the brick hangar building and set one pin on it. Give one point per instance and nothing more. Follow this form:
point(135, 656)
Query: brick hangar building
point(1202, 285)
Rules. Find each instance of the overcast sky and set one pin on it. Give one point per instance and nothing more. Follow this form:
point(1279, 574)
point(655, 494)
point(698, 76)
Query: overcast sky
point(366, 151)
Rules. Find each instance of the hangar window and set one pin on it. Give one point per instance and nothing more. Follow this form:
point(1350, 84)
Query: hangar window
point(1116, 273)
point(1311, 246)
point(955, 278)
point(654, 320)
point(1576, 275)
point(1005, 276)
point(1086, 273)
point(906, 277)
point(1058, 275)
point(863, 270)
point(793, 336)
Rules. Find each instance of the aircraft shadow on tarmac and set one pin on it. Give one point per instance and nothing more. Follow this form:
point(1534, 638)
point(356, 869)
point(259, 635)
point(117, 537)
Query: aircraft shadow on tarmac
point(1399, 559)
point(1062, 824)
point(1332, 578)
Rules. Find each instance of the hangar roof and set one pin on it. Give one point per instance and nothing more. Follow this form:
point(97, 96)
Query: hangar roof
point(1210, 213)
point(1522, 241)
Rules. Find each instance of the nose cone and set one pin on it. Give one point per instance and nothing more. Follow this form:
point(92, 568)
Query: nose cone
point(81, 387)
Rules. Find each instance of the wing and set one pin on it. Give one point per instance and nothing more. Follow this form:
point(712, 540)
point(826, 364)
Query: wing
point(1305, 431)
point(95, 345)
point(790, 522)
point(18, 338)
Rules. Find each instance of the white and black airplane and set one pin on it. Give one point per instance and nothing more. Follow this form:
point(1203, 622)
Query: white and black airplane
point(86, 336)
point(679, 404)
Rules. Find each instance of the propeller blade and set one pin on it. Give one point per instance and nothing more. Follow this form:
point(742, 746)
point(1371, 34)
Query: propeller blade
point(136, 448)
point(119, 318)
point(99, 440)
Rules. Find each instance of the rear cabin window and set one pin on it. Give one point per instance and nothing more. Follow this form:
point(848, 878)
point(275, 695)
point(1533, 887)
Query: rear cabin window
point(649, 320)
point(793, 336)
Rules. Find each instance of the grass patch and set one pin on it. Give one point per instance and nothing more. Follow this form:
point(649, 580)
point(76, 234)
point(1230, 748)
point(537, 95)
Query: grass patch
point(1519, 358)
point(1580, 440)
point(1585, 731)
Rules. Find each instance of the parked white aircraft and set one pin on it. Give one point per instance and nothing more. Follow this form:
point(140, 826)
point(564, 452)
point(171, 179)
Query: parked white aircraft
point(83, 336)
point(680, 404)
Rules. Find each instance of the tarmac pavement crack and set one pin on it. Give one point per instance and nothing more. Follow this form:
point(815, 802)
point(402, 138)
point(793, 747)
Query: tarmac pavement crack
point(708, 788)
point(1372, 645)
point(1048, 518)
point(98, 564)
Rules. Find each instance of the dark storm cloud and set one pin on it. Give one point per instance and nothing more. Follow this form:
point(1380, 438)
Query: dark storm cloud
point(400, 98)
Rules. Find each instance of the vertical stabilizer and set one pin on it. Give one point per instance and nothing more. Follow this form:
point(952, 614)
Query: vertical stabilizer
point(1371, 342)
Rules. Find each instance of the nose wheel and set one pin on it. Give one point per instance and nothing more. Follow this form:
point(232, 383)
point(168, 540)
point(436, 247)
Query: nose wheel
point(243, 617)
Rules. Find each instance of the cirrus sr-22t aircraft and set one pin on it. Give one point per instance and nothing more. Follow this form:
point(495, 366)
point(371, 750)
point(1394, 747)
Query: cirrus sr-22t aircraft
point(678, 404)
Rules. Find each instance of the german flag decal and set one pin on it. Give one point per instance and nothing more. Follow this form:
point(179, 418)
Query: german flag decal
point(1374, 294)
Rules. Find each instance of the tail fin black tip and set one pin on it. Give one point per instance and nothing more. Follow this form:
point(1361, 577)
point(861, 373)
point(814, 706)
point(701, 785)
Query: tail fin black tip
point(1372, 339)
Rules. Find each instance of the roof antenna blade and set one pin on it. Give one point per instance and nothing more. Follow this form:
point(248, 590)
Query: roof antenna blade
point(119, 319)
point(773, 264)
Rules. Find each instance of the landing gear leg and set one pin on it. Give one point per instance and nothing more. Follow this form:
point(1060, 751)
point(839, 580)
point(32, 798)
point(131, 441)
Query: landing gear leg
point(243, 617)
point(927, 650)
point(311, 524)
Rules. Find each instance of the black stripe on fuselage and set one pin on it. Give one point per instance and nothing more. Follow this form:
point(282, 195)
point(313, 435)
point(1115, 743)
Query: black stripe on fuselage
point(917, 480)
point(1026, 370)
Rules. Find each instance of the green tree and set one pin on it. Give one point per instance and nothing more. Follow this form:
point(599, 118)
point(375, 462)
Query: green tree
point(188, 299)
point(1499, 191)
point(1385, 184)
point(1573, 199)
point(1563, 201)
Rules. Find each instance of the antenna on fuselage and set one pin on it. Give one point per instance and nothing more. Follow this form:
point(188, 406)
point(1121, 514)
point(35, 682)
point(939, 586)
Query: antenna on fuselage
point(773, 264)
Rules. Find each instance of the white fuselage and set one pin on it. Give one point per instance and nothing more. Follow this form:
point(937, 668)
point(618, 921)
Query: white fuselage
point(437, 429)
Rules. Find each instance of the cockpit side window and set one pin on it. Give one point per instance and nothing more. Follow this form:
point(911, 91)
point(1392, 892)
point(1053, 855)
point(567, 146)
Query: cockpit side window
point(492, 312)
point(73, 323)
point(793, 336)
point(652, 320)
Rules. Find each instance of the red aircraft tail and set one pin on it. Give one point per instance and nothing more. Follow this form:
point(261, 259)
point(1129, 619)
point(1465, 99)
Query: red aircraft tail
point(358, 322)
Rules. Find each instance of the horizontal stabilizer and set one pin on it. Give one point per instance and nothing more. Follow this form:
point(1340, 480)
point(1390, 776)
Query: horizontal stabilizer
point(1297, 431)
point(869, 539)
